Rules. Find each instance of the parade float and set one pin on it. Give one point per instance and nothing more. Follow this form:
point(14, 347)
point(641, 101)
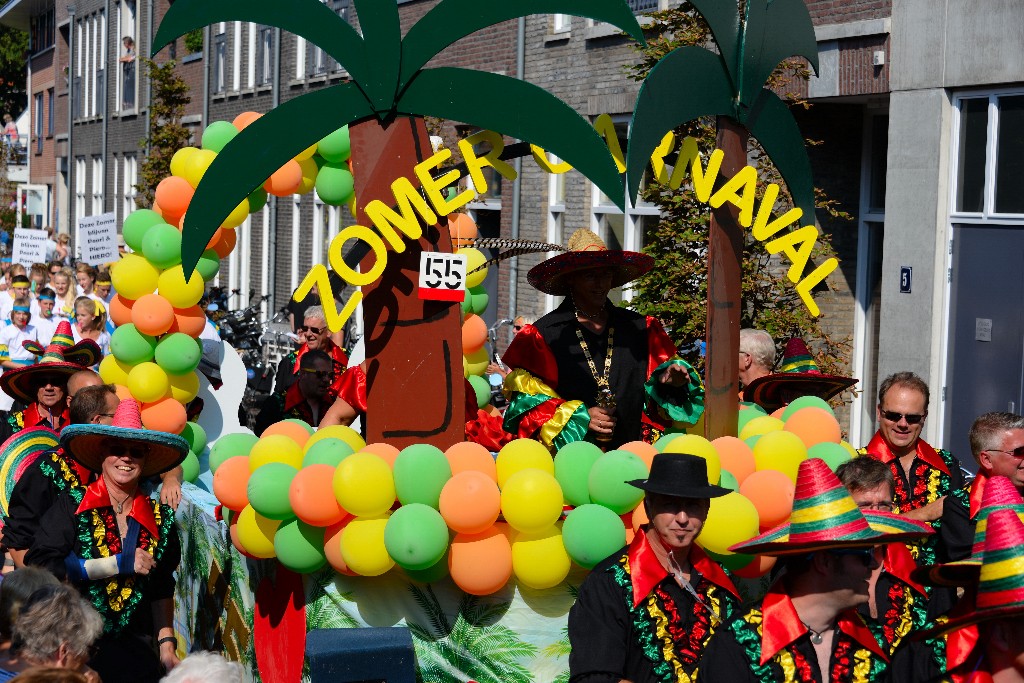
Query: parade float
point(477, 554)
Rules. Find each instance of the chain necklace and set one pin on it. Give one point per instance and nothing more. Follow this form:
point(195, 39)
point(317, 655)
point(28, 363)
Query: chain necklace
point(603, 377)
point(120, 504)
point(816, 636)
point(677, 573)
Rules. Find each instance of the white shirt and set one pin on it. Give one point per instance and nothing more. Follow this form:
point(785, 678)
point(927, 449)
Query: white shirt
point(12, 337)
point(45, 328)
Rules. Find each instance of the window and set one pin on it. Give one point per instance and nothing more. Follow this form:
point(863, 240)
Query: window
point(236, 57)
point(312, 60)
point(79, 187)
point(97, 185)
point(77, 83)
point(37, 129)
point(41, 31)
point(127, 79)
point(990, 154)
point(264, 55)
point(250, 73)
point(556, 215)
point(115, 184)
point(130, 179)
point(561, 23)
point(641, 6)
point(220, 56)
point(50, 113)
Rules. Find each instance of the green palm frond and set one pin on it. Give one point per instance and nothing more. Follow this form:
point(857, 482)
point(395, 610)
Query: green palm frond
point(775, 30)
point(431, 607)
point(561, 647)
point(562, 677)
point(382, 36)
point(518, 109)
point(723, 18)
point(772, 124)
point(259, 150)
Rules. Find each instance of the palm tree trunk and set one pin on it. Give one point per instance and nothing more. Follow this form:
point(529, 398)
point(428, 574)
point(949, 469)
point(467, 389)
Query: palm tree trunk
point(415, 391)
point(725, 259)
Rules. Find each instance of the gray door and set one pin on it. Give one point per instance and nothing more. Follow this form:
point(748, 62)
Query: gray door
point(986, 353)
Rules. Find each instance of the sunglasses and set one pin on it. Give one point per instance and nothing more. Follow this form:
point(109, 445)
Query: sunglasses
point(866, 555)
point(1017, 452)
point(311, 329)
point(911, 418)
point(876, 507)
point(320, 374)
point(55, 272)
point(52, 381)
point(134, 451)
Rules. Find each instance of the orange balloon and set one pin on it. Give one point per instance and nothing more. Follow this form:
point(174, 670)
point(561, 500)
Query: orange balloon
point(244, 119)
point(735, 456)
point(643, 450)
point(332, 547)
point(480, 564)
point(120, 310)
point(384, 451)
point(639, 517)
point(759, 567)
point(165, 415)
point(174, 195)
point(227, 243)
point(777, 413)
point(474, 333)
point(154, 315)
point(462, 228)
point(231, 483)
point(218, 237)
point(122, 392)
point(470, 502)
point(312, 496)
point(771, 492)
point(813, 426)
point(467, 456)
point(285, 180)
point(190, 321)
point(156, 209)
point(293, 431)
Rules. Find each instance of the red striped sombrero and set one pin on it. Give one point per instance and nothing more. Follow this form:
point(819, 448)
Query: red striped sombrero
point(586, 252)
point(798, 376)
point(61, 359)
point(826, 516)
point(17, 454)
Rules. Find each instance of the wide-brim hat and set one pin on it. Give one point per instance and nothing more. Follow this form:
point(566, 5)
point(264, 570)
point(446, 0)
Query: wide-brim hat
point(1000, 589)
point(826, 516)
point(1000, 494)
point(587, 251)
point(62, 357)
point(87, 442)
point(17, 454)
point(680, 475)
point(798, 376)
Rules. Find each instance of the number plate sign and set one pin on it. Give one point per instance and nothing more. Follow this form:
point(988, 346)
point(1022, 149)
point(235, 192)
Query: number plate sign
point(442, 276)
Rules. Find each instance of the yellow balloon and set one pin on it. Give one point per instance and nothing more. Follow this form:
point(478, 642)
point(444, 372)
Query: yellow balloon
point(701, 447)
point(237, 215)
point(306, 153)
point(256, 533)
point(782, 451)
point(531, 500)
point(364, 485)
point(845, 444)
point(475, 363)
point(148, 382)
point(173, 287)
point(195, 167)
point(761, 425)
point(346, 434)
point(309, 172)
point(184, 388)
point(362, 545)
point(275, 448)
point(474, 258)
point(134, 276)
point(539, 559)
point(731, 519)
point(180, 159)
point(698, 427)
point(521, 454)
point(113, 371)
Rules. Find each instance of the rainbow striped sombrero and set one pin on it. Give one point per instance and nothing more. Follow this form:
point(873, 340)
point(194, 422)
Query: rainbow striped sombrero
point(826, 516)
point(17, 454)
point(62, 358)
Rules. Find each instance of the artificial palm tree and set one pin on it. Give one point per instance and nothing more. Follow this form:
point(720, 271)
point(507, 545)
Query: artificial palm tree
point(692, 82)
point(413, 347)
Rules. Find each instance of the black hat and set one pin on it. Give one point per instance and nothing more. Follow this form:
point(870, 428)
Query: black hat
point(680, 475)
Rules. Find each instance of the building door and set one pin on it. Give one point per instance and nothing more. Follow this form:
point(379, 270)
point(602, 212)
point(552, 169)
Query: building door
point(986, 352)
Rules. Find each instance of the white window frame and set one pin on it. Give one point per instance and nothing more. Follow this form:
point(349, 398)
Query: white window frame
point(555, 218)
point(293, 275)
point(236, 57)
point(250, 72)
point(98, 179)
point(561, 23)
point(80, 187)
point(115, 184)
point(131, 177)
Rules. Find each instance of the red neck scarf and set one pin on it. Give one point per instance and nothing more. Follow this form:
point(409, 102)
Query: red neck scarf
point(34, 417)
point(646, 570)
point(96, 496)
point(878, 449)
point(900, 563)
point(977, 492)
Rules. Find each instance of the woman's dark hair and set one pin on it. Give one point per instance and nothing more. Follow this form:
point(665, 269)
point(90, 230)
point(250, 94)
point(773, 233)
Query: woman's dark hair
point(16, 589)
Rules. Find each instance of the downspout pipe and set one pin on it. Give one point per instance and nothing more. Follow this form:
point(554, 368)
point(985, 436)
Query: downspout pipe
point(517, 186)
point(71, 127)
point(151, 13)
point(206, 78)
point(106, 109)
point(272, 238)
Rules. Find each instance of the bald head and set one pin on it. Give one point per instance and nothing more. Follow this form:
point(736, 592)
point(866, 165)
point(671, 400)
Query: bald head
point(80, 380)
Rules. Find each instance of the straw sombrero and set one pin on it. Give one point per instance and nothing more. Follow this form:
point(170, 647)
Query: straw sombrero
point(826, 516)
point(798, 376)
point(1000, 494)
point(87, 443)
point(586, 251)
point(62, 358)
point(17, 454)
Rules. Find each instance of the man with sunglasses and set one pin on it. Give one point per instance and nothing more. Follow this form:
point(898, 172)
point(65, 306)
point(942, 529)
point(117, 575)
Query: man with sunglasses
point(923, 475)
point(307, 399)
point(315, 336)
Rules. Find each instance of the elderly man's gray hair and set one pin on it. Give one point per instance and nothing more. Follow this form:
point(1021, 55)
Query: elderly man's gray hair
point(54, 616)
point(760, 345)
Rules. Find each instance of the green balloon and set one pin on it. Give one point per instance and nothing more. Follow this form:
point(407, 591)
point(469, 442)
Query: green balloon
point(230, 445)
point(416, 536)
point(833, 454)
point(309, 428)
point(482, 389)
point(195, 436)
point(591, 533)
point(190, 467)
point(217, 135)
point(573, 463)
point(268, 490)
point(746, 416)
point(431, 574)
point(208, 265)
point(136, 224)
point(421, 471)
point(257, 200)
point(300, 547)
point(335, 184)
point(161, 245)
point(731, 562)
point(754, 406)
point(466, 304)
point(327, 452)
point(608, 477)
point(131, 346)
point(751, 440)
point(728, 481)
point(479, 299)
point(336, 147)
point(806, 402)
point(178, 353)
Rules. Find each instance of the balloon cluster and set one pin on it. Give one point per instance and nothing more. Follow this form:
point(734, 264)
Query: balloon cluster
point(474, 329)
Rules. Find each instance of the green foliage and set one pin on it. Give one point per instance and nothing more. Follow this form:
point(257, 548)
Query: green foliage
point(194, 41)
point(166, 133)
point(676, 288)
point(8, 210)
point(13, 56)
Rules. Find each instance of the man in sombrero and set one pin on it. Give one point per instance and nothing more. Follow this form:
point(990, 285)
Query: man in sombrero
point(806, 628)
point(117, 545)
point(798, 376)
point(646, 613)
point(592, 370)
point(41, 386)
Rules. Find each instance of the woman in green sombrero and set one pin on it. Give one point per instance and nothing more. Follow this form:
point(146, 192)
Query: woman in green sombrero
point(118, 546)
